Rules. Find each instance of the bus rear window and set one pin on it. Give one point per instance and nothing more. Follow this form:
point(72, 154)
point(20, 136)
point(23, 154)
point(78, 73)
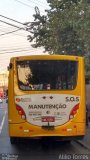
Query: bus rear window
point(47, 74)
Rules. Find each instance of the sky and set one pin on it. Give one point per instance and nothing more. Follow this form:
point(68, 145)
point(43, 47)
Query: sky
point(16, 43)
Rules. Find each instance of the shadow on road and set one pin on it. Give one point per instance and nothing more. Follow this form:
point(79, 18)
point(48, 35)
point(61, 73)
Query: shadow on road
point(41, 146)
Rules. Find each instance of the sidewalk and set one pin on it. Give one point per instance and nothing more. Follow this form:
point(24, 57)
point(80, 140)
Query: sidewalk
point(86, 140)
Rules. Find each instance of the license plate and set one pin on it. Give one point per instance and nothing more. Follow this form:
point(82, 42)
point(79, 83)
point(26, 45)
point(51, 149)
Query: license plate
point(48, 119)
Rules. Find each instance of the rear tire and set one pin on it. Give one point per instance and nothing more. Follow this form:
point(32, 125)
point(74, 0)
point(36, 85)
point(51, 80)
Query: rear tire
point(13, 140)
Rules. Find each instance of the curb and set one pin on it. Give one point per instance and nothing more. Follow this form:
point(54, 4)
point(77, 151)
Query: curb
point(82, 144)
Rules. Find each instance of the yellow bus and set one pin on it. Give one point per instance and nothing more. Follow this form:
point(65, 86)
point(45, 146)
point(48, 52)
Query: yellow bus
point(46, 97)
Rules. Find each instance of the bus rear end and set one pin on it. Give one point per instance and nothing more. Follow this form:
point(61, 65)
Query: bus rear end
point(47, 97)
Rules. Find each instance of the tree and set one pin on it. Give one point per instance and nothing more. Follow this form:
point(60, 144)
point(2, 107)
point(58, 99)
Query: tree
point(65, 28)
point(87, 67)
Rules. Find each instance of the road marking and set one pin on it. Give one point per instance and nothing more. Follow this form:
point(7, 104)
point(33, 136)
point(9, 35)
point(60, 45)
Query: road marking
point(2, 123)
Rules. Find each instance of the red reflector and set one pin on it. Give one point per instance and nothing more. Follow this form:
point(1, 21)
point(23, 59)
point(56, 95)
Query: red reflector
point(64, 129)
point(74, 126)
point(20, 127)
point(48, 119)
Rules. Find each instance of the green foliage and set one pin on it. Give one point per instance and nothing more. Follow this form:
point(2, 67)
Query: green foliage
point(87, 65)
point(64, 30)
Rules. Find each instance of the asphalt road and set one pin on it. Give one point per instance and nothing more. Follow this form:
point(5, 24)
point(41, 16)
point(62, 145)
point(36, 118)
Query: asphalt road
point(36, 149)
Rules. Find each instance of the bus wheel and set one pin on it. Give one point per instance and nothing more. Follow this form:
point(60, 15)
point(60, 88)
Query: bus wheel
point(13, 140)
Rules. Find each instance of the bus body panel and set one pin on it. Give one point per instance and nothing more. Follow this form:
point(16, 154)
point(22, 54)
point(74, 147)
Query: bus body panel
point(58, 104)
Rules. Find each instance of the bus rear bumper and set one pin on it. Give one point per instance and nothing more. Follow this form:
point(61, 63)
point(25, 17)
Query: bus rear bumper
point(50, 138)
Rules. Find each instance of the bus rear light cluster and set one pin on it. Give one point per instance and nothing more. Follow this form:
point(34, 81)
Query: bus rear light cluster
point(21, 112)
point(74, 111)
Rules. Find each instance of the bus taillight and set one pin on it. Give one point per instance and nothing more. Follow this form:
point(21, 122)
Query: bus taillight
point(74, 111)
point(21, 112)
